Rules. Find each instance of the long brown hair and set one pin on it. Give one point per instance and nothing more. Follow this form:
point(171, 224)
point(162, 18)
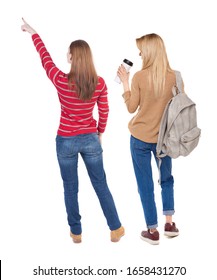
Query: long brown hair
point(155, 59)
point(82, 73)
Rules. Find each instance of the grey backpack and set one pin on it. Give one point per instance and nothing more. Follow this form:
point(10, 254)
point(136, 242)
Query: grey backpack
point(178, 134)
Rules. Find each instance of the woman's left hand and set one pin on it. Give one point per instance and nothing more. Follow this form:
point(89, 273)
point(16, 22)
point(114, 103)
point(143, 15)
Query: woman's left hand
point(27, 28)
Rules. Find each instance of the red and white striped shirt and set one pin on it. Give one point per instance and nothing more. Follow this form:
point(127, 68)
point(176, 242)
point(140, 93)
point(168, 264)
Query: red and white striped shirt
point(76, 115)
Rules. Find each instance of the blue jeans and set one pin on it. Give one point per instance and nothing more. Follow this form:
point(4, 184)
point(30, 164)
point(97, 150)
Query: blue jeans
point(88, 146)
point(141, 156)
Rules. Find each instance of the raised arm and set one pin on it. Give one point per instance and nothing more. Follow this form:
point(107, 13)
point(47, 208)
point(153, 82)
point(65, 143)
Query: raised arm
point(46, 59)
point(131, 96)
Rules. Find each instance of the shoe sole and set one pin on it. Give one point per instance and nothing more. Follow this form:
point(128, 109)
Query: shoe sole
point(76, 241)
point(152, 242)
point(171, 234)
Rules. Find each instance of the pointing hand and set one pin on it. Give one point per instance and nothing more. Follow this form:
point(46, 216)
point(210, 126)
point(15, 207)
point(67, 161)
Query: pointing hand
point(27, 28)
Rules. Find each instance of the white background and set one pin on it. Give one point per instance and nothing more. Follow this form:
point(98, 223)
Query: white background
point(34, 229)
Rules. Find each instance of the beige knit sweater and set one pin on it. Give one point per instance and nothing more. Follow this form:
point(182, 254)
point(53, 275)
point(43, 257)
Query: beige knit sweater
point(149, 109)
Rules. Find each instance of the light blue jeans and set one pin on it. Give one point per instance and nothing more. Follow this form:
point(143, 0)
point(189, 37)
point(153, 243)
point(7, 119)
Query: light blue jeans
point(88, 146)
point(141, 156)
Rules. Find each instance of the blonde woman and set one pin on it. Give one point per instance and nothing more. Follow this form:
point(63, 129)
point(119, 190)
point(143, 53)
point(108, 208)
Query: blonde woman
point(79, 133)
point(151, 89)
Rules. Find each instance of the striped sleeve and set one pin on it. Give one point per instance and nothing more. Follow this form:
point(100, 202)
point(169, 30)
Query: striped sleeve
point(103, 108)
point(46, 60)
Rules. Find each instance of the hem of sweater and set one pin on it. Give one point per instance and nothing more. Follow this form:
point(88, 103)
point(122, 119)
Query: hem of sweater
point(69, 134)
point(144, 139)
point(35, 34)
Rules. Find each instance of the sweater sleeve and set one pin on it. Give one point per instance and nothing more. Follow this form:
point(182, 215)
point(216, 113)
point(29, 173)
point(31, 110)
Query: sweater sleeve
point(51, 70)
point(103, 108)
point(132, 98)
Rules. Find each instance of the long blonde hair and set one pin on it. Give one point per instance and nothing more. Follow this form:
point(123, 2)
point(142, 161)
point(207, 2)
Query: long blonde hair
point(82, 73)
point(154, 56)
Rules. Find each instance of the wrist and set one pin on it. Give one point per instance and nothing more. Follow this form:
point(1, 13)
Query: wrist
point(126, 86)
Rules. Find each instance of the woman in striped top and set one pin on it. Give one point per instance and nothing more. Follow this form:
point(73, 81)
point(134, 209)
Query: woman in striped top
point(79, 133)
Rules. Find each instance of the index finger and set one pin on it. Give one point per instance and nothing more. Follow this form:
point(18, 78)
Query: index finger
point(24, 20)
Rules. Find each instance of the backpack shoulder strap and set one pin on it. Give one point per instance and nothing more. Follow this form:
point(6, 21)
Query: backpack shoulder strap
point(179, 81)
point(162, 131)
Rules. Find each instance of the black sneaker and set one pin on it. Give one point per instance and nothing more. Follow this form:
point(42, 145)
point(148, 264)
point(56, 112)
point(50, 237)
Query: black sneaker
point(171, 230)
point(150, 237)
